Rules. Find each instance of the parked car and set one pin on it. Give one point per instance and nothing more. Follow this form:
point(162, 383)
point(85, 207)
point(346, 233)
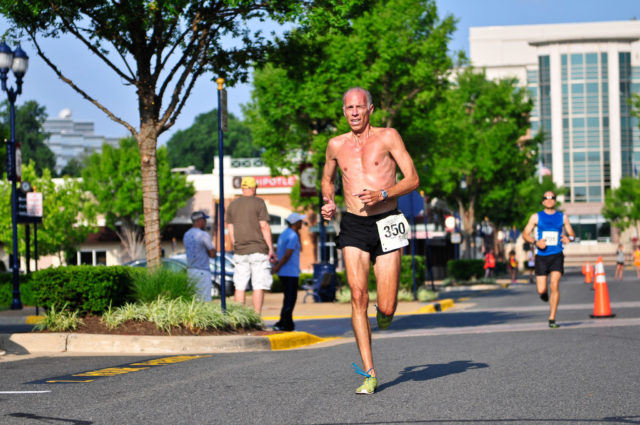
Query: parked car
point(216, 270)
point(179, 264)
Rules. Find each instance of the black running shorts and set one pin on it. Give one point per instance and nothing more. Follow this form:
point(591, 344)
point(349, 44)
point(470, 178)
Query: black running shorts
point(362, 232)
point(546, 264)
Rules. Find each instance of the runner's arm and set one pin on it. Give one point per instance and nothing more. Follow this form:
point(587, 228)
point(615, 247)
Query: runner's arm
point(410, 180)
point(569, 231)
point(526, 233)
point(328, 183)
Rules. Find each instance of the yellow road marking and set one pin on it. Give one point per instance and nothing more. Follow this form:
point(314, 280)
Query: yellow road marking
point(121, 370)
point(168, 360)
point(111, 371)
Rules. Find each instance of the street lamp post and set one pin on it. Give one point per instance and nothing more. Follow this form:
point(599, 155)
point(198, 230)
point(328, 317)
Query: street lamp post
point(18, 61)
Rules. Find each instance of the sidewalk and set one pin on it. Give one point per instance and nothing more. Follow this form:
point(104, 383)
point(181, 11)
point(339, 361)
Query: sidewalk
point(27, 342)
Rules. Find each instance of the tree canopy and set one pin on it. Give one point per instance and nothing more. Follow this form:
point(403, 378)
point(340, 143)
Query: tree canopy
point(113, 177)
point(68, 217)
point(198, 144)
point(481, 153)
point(160, 49)
point(622, 205)
point(397, 50)
point(29, 133)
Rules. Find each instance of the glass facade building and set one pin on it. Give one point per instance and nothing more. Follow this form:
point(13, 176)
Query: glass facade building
point(581, 78)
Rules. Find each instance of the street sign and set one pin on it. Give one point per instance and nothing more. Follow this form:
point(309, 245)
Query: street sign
point(223, 110)
point(26, 214)
point(18, 162)
point(34, 204)
point(450, 223)
point(411, 204)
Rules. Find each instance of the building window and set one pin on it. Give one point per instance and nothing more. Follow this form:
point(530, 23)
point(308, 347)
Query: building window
point(544, 101)
point(629, 78)
point(92, 258)
point(591, 227)
point(586, 132)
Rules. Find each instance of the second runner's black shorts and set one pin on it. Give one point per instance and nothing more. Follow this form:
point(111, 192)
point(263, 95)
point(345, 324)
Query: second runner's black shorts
point(361, 231)
point(546, 264)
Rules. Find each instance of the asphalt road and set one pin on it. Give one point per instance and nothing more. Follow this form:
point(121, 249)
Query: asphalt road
point(491, 360)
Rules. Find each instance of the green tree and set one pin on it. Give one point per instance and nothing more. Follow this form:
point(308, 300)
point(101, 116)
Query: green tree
point(113, 177)
point(29, 133)
point(68, 216)
point(73, 168)
point(198, 144)
point(622, 204)
point(397, 50)
point(161, 48)
point(527, 200)
point(480, 153)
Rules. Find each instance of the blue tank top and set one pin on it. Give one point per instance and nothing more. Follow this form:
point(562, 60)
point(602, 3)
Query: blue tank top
point(550, 228)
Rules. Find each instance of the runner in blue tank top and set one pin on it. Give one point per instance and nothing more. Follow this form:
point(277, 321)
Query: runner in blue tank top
point(549, 241)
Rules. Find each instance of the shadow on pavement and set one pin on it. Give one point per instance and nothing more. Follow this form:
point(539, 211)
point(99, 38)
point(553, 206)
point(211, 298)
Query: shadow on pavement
point(460, 319)
point(432, 371)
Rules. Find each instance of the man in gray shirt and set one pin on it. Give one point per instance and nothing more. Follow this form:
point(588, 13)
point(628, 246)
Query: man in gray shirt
point(199, 249)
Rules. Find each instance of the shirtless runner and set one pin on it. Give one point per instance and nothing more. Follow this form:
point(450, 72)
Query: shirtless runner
point(372, 230)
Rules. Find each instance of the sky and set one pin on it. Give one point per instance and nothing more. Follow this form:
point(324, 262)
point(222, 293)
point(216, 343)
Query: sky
point(42, 85)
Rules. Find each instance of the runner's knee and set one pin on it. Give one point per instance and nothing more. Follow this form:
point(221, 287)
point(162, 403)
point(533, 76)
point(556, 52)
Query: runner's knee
point(359, 296)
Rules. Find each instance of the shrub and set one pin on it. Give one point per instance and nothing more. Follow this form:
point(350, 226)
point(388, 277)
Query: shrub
point(87, 289)
point(6, 289)
point(406, 273)
point(164, 283)
point(463, 270)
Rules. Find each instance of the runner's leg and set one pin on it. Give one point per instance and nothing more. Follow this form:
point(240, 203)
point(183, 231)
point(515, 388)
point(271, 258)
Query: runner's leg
point(541, 284)
point(554, 296)
point(357, 265)
point(387, 271)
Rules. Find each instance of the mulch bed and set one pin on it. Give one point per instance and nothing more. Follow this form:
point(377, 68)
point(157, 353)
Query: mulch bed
point(93, 325)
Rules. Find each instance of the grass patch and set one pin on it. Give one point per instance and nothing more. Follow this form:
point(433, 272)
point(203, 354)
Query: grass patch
point(59, 321)
point(190, 314)
point(162, 283)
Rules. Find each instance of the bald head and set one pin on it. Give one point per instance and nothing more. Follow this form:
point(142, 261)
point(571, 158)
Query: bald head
point(361, 90)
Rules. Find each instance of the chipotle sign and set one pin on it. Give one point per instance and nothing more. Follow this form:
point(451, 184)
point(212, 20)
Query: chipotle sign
point(268, 181)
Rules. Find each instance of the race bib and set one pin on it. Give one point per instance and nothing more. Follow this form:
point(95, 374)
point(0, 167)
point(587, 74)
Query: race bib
point(551, 238)
point(393, 231)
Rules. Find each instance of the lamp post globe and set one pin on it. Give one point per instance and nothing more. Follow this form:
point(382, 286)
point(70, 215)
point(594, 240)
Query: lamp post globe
point(6, 57)
point(18, 61)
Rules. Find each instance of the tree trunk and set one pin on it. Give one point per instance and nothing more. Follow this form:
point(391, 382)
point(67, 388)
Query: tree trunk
point(147, 142)
point(468, 222)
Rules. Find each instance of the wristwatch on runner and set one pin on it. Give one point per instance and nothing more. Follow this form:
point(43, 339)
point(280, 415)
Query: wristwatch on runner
point(384, 194)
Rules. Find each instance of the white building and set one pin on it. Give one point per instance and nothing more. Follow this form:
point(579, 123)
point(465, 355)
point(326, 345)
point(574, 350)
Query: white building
point(581, 77)
point(70, 139)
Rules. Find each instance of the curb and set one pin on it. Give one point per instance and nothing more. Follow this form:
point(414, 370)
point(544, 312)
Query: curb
point(23, 343)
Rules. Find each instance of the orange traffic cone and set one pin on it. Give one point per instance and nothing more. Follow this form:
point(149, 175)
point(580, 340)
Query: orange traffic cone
point(601, 306)
point(587, 271)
